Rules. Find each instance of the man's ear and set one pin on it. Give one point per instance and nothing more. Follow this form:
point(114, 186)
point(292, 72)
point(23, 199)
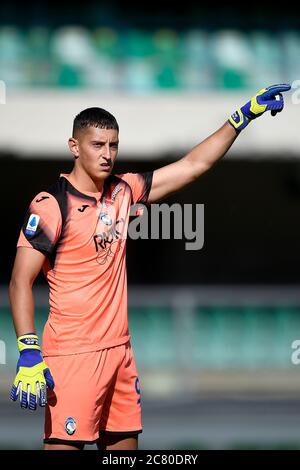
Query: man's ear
point(73, 146)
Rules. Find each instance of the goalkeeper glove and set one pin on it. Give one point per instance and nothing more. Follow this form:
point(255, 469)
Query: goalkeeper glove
point(32, 374)
point(267, 99)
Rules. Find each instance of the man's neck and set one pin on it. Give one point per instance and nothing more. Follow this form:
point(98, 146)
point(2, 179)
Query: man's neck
point(84, 182)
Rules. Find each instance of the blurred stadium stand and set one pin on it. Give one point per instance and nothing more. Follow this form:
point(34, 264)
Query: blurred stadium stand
point(212, 330)
point(167, 76)
point(215, 360)
point(139, 60)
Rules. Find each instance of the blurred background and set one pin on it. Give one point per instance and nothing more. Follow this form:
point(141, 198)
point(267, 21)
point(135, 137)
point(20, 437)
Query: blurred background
point(212, 330)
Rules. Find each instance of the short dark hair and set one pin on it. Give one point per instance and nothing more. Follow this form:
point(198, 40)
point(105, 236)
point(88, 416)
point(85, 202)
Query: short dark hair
point(94, 117)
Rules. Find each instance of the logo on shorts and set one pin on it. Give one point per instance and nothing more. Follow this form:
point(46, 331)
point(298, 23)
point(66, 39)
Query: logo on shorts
point(70, 425)
point(138, 390)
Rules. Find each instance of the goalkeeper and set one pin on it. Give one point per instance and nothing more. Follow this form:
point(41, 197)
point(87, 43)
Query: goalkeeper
point(85, 374)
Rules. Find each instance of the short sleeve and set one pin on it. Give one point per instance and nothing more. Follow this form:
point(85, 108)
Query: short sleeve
point(42, 225)
point(140, 184)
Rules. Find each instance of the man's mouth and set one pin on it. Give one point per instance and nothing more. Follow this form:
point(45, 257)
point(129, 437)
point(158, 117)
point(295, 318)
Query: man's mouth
point(105, 166)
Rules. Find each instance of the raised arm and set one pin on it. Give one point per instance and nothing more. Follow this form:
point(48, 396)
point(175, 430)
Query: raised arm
point(202, 157)
point(177, 175)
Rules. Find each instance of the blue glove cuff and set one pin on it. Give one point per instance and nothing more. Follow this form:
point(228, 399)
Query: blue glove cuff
point(238, 120)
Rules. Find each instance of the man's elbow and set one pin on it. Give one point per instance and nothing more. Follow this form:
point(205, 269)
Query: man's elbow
point(17, 283)
point(196, 167)
point(200, 168)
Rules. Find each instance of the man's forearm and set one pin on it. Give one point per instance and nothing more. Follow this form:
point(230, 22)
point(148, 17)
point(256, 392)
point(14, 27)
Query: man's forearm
point(177, 175)
point(32, 373)
point(212, 149)
point(22, 307)
point(202, 157)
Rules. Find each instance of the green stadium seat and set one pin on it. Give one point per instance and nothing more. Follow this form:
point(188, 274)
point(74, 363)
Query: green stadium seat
point(196, 65)
point(214, 338)
point(14, 56)
point(267, 57)
point(137, 66)
point(167, 58)
point(153, 335)
point(289, 42)
point(39, 61)
point(232, 58)
point(72, 53)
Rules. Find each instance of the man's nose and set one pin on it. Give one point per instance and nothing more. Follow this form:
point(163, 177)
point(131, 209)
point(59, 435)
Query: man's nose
point(107, 153)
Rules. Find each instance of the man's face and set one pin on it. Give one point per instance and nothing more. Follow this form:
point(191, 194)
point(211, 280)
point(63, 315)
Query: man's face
point(96, 151)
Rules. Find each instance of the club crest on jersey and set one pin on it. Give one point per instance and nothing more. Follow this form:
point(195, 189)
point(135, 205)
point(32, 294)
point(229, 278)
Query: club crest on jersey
point(70, 425)
point(105, 218)
point(32, 224)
